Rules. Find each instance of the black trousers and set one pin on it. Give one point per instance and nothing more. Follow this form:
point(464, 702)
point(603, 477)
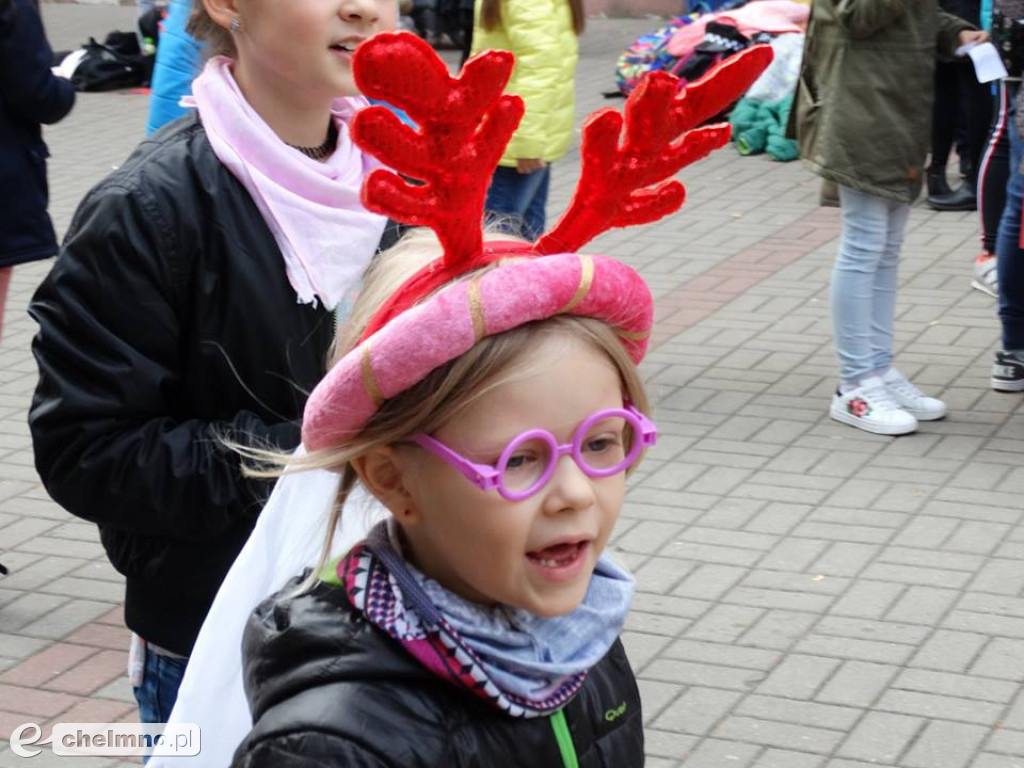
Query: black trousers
point(994, 169)
point(963, 106)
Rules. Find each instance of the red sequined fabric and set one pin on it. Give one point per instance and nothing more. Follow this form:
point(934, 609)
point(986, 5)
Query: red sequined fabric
point(465, 122)
point(628, 158)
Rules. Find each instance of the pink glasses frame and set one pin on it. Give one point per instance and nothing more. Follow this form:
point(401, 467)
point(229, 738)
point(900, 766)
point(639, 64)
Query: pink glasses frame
point(488, 477)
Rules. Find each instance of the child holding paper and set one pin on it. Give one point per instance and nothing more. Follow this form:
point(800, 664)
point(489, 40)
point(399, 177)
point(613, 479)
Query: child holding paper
point(863, 115)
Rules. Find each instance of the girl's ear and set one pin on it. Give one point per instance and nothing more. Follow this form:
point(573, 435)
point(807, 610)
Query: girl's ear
point(383, 473)
point(223, 12)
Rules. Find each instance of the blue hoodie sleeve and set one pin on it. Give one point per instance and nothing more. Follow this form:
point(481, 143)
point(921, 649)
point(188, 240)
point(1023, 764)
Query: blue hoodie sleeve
point(177, 63)
point(27, 86)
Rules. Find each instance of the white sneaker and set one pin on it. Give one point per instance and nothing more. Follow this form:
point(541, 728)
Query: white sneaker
point(870, 407)
point(985, 278)
point(911, 399)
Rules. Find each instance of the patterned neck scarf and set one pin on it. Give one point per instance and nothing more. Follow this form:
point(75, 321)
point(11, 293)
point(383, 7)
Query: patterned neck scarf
point(526, 665)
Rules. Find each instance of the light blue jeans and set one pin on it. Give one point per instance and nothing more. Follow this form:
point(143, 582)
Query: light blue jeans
point(864, 283)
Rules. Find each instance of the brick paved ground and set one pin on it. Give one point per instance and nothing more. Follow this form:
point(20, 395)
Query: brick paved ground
point(810, 596)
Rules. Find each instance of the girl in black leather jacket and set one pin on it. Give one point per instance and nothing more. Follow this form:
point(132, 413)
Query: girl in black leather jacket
point(193, 301)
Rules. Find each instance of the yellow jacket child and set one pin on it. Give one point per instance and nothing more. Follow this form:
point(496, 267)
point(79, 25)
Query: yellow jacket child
point(543, 35)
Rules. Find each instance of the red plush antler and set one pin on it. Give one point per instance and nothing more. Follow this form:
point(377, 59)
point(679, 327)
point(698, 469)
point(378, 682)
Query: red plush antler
point(464, 126)
point(627, 160)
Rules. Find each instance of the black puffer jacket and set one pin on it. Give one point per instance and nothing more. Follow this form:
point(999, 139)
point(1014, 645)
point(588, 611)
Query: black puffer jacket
point(329, 689)
point(167, 324)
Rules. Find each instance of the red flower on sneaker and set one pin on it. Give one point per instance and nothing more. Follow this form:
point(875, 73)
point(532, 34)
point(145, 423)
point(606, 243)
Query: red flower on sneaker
point(858, 407)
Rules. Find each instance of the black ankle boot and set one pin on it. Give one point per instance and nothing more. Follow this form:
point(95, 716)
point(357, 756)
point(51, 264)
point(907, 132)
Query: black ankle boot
point(965, 198)
point(937, 184)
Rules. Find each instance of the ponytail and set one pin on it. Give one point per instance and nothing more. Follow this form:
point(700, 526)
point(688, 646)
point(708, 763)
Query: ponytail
point(579, 16)
point(490, 14)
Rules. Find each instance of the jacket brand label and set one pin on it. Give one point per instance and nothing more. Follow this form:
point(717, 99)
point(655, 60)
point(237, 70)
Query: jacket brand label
point(614, 714)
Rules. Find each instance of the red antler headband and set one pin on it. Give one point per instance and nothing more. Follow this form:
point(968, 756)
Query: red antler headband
point(464, 125)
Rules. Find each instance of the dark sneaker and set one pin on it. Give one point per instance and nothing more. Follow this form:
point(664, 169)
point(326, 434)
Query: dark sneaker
point(1008, 373)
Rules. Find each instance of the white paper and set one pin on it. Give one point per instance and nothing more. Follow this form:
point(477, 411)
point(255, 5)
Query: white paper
point(69, 64)
point(988, 65)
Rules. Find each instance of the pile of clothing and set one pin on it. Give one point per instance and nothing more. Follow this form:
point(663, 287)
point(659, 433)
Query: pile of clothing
point(688, 46)
point(759, 120)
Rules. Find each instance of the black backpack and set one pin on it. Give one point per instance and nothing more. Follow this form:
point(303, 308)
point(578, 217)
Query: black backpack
point(105, 68)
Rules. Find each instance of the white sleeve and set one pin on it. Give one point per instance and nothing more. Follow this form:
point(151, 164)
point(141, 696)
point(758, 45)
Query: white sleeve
point(287, 539)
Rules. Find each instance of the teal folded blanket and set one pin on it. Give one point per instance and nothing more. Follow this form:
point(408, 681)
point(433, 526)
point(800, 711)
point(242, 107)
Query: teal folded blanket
point(760, 126)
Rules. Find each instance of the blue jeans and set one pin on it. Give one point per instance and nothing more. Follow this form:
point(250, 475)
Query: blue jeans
point(864, 283)
point(518, 200)
point(1009, 256)
point(161, 678)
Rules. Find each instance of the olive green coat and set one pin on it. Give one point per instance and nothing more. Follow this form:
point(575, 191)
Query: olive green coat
point(864, 102)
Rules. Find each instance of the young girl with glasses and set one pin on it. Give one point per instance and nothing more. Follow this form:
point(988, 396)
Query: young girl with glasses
point(480, 624)
point(486, 393)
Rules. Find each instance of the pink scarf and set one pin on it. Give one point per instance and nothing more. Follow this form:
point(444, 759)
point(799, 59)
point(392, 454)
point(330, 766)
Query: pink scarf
point(313, 209)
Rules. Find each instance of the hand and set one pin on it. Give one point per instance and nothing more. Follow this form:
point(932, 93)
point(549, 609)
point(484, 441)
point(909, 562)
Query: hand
point(973, 37)
point(527, 165)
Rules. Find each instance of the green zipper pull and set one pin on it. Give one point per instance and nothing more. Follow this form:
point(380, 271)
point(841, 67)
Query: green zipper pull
point(564, 739)
point(329, 573)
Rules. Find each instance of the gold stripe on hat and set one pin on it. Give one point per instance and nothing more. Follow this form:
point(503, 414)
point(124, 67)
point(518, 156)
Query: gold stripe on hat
point(632, 335)
point(586, 280)
point(476, 309)
point(369, 383)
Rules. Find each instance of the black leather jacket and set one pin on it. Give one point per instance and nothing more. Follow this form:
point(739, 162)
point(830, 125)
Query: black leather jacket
point(331, 690)
point(167, 325)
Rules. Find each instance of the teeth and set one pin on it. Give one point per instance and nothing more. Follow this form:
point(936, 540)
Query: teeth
point(550, 562)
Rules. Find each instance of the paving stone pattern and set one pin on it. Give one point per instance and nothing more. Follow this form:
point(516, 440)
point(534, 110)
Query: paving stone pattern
point(809, 596)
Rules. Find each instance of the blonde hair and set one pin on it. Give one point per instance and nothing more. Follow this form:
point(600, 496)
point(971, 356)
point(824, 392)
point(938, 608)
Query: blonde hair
point(216, 40)
point(446, 391)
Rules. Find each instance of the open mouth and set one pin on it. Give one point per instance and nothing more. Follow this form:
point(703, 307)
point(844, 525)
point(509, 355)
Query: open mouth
point(559, 559)
point(347, 45)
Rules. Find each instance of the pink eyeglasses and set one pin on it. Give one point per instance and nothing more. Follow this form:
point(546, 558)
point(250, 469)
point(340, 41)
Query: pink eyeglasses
point(598, 447)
